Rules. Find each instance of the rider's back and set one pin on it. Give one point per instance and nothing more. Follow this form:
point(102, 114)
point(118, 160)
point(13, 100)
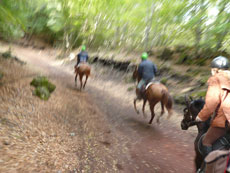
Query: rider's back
point(82, 56)
point(147, 70)
point(222, 82)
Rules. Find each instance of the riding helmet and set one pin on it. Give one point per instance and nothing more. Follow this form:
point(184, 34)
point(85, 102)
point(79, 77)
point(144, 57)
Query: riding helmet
point(83, 48)
point(220, 62)
point(144, 56)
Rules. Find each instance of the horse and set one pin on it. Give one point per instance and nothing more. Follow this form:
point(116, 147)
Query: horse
point(192, 109)
point(190, 113)
point(155, 92)
point(82, 70)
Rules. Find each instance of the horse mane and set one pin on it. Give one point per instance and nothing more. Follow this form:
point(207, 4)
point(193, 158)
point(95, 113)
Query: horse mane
point(199, 104)
point(196, 106)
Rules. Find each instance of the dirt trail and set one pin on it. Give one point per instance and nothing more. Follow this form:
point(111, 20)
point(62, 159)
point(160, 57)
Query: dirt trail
point(121, 140)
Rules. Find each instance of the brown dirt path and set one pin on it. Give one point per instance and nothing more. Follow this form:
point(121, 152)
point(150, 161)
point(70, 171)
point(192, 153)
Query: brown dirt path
point(115, 138)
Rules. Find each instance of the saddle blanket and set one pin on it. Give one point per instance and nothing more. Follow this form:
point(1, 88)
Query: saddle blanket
point(150, 83)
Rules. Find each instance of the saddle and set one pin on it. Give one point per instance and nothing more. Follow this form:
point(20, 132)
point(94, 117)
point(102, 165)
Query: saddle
point(223, 143)
point(218, 160)
point(146, 85)
point(149, 83)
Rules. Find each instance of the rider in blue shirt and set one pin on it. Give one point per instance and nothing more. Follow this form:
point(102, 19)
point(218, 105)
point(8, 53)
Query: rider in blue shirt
point(146, 71)
point(82, 56)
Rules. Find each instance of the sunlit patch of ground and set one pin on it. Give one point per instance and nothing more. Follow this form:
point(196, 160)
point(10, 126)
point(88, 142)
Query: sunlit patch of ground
point(34, 135)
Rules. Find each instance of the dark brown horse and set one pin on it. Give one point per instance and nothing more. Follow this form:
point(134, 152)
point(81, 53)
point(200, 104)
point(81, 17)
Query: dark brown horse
point(156, 92)
point(82, 70)
point(192, 109)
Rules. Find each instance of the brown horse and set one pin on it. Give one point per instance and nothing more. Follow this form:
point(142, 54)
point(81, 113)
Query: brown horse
point(191, 111)
point(82, 70)
point(155, 93)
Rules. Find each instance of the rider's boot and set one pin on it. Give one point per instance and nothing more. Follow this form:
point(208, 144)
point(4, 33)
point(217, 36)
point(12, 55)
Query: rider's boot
point(142, 92)
point(138, 92)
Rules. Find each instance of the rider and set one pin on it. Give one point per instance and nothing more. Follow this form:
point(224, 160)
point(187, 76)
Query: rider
point(82, 56)
point(219, 81)
point(147, 72)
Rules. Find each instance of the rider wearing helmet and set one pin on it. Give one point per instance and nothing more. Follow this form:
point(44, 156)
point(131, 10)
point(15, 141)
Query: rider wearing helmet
point(82, 57)
point(146, 71)
point(218, 83)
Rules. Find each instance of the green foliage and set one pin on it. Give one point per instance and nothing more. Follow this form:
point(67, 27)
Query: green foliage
point(43, 88)
point(43, 81)
point(12, 19)
point(203, 80)
point(199, 94)
point(42, 92)
point(7, 54)
point(130, 88)
point(179, 99)
point(1, 75)
point(119, 24)
point(164, 81)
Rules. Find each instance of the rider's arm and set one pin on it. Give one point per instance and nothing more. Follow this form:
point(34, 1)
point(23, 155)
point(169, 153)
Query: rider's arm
point(154, 69)
point(140, 70)
point(212, 99)
point(78, 58)
point(87, 58)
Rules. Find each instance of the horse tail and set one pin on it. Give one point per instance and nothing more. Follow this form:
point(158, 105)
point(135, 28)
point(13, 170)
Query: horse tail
point(167, 99)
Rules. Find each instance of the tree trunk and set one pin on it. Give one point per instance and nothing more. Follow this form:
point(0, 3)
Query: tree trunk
point(148, 26)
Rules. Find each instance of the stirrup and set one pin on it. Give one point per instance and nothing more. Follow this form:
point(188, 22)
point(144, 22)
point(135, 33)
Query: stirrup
point(200, 171)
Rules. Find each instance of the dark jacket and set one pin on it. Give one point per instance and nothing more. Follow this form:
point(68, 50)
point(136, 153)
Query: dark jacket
point(214, 99)
point(147, 70)
point(82, 57)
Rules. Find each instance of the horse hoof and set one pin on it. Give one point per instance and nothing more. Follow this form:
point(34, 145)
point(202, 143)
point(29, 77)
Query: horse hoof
point(158, 121)
point(137, 112)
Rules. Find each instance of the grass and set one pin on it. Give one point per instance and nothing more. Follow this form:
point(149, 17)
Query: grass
point(130, 88)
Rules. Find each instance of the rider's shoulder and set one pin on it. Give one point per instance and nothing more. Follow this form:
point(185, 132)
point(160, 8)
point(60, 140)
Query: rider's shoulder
point(213, 80)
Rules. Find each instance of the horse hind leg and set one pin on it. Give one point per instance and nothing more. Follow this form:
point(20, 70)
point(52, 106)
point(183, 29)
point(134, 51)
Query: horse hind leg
point(135, 107)
point(152, 105)
point(162, 112)
point(76, 79)
point(85, 81)
point(81, 81)
point(143, 108)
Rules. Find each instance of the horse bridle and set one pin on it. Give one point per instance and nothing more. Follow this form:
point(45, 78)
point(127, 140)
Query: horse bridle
point(188, 114)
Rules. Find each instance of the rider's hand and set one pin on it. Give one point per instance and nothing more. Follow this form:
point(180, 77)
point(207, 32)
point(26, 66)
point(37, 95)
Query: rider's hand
point(198, 119)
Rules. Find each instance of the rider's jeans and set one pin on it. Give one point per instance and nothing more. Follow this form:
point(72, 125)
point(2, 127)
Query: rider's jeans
point(140, 84)
point(212, 135)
